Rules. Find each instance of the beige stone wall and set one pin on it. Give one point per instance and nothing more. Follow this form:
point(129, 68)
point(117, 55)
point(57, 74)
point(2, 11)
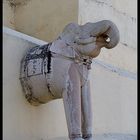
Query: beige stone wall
point(124, 15)
point(45, 19)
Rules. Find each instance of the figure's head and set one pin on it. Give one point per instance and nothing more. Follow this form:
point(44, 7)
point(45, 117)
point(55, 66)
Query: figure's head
point(90, 36)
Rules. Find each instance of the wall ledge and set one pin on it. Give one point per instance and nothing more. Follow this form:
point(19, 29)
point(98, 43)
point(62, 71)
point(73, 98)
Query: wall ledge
point(23, 36)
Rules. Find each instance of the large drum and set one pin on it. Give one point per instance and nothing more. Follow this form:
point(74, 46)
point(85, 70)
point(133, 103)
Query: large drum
point(43, 76)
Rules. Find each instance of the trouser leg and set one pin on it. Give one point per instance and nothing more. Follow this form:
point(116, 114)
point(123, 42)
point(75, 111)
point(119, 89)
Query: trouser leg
point(87, 130)
point(72, 105)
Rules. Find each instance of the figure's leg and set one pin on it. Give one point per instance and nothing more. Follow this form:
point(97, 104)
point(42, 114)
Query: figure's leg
point(72, 104)
point(87, 129)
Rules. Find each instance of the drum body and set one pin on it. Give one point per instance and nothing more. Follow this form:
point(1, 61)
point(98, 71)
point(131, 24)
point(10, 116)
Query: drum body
point(43, 76)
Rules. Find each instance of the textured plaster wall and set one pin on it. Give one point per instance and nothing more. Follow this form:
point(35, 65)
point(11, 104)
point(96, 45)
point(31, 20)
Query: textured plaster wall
point(124, 15)
point(113, 101)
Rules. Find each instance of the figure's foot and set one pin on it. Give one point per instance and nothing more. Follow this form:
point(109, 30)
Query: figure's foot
point(76, 137)
point(87, 137)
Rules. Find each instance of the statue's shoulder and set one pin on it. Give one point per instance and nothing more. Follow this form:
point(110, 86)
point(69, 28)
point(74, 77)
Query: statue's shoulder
point(38, 52)
point(71, 26)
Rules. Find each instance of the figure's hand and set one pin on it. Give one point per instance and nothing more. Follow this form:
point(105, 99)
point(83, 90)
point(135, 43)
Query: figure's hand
point(102, 40)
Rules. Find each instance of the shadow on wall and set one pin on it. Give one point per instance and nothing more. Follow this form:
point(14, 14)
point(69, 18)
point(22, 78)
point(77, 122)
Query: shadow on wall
point(43, 19)
point(15, 3)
